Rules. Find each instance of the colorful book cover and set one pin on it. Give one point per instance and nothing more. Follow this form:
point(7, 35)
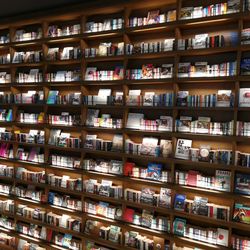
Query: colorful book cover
point(179, 226)
point(179, 202)
point(154, 171)
point(222, 180)
point(129, 215)
point(242, 183)
point(52, 96)
point(241, 213)
point(128, 168)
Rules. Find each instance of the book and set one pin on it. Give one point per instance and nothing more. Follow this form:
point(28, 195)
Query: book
point(128, 168)
point(129, 215)
point(182, 98)
point(134, 120)
point(179, 202)
point(148, 99)
point(186, 13)
point(148, 146)
point(179, 226)
point(147, 71)
point(222, 180)
point(147, 218)
point(153, 17)
point(223, 98)
point(242, 183)
point(154, 171)
point(114, 233)
point(244, 97)
point(92, 114)
point(241, 213)
point(165, 197)
point(52, 97)
point(222, 237)
point(245, 66)
point(182, 149)
point(199, 206)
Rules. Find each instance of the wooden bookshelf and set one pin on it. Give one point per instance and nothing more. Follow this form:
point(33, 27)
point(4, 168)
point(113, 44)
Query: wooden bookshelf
point(176, 29)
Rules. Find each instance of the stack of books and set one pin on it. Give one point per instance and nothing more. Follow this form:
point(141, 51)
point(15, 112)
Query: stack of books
point(63, 30)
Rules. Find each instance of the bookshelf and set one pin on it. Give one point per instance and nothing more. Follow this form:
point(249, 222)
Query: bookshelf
point(67, 178)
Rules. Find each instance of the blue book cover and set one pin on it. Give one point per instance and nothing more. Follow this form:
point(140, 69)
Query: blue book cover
point(66, 242)
point(154, 171)
point(51, 197)
point(245, 66)
point(242, 183)
point(179, 202)
point(52, 97)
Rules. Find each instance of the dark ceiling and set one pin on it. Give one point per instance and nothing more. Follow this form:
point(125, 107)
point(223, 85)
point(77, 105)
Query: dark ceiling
point(13, 8)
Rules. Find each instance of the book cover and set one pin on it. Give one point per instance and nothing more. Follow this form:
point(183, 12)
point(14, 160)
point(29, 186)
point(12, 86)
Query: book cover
point(182, 149)
point(147, 71)
point(241, 213)
point(244, 97)
point(165, 197)
point(242, 183)
point(222, 180)
point(222, 237)
point(182, 98)
point(223, 98)
point(179, 202)
point(129, 215)
point(147, 218)
point(153, 17)
point(154, 171)
point(179, 226)
point(92, 114)
point(128, 168)
point(199, 206)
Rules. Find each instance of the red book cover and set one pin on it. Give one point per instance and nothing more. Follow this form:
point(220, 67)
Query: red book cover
point(192, 178)
point(128, 168)
point(129, 215)
point(49, 235)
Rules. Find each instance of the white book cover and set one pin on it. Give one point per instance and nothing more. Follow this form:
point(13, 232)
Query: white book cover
point(200, 41)
point(223, 98)
point(134, 92)
point(65, 52)
point(134, 120)
point(222, 237)
point(182, 149)
point(244, 97)
point(60, 76)
point(148, 99)
point(90, 72)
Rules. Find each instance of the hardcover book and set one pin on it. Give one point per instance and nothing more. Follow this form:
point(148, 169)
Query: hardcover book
point(244, 97)
point(241, 213)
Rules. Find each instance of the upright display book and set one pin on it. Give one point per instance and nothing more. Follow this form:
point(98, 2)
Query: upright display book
point(242, 183)
point(182, 149)
point(179, 202)
point(241, 213)
point(222, 180)
point(154, 171)
point(244, 97)
point(179, 226)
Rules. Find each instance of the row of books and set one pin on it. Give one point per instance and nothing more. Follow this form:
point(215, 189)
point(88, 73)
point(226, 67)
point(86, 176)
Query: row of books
point(223, 98)
point(205, 69)
point(63, 221)
point(43, 233)
point(221, 181)
point(31, 176)
point(105, 188)
point(65, 181)
point(240, 243)
point(35, 154)
point(62, 139)
point(231, 6)
point(5, 59)
point(63, 76)
point(217, 236)
point(105, 25)
point(65, 53)
point(203, 41)
point(148, 71)
point(65, 30)
point(95, 143)
point(27, 57)
point(153, 17)
point(198, 206)
point(25, 35)
point(203, 125)
point(201, 206)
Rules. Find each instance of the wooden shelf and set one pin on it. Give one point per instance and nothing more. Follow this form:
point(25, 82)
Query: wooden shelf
point(129, 35)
